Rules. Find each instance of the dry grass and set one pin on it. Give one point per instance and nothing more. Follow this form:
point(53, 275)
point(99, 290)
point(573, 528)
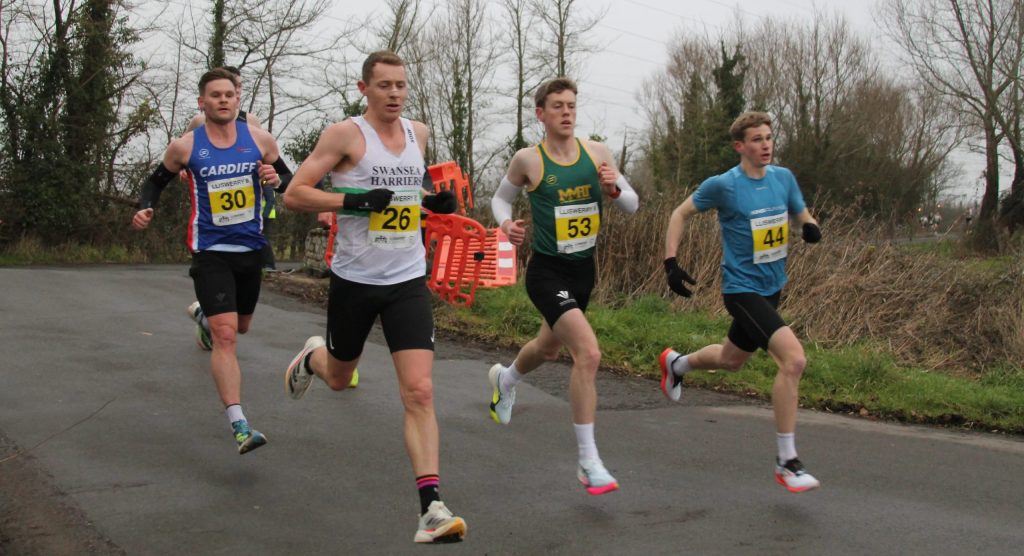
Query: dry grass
point(930, 310)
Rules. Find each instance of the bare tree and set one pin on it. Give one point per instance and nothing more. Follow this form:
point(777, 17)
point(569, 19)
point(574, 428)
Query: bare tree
point(563, 44)
point(957, 48)
point(521, 21)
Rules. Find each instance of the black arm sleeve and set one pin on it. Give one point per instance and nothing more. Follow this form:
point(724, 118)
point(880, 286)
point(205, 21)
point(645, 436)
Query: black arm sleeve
point(284, 173)
point(156, 183)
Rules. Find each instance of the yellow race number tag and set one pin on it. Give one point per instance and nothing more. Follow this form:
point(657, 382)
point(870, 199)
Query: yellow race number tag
point(232, 200)
point(771, 238)
point(398, 225)
point(576, 227)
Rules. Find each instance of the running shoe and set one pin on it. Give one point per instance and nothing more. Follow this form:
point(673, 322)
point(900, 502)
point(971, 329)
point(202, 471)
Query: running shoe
point(501, 400)
point(203, 338)
point(247, 438)
point(438, 525)
point(297, 379)
point(595, 478)
point(355, 379)
point(671, 384)
point(794, 477)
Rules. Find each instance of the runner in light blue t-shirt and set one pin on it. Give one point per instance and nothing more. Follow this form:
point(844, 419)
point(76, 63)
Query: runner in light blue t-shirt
point(756, 202)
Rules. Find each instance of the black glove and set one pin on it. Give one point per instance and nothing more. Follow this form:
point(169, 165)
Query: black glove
point(442, 203)
point(812, 233)
point(372, 201)
point(676, 276)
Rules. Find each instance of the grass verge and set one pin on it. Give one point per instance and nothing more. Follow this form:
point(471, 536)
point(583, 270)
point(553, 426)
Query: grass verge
point(861, 378)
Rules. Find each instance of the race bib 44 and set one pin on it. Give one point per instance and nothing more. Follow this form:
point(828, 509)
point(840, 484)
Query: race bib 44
point(771, 237)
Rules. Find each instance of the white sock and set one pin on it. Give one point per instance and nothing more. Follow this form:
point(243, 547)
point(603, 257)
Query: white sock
point(681, 365)
point(786, 442)
point(234, 413)
point(585, 441)
point(510, 377)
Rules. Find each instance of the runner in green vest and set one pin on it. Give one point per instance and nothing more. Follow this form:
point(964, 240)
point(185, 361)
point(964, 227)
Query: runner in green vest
point(567, 180)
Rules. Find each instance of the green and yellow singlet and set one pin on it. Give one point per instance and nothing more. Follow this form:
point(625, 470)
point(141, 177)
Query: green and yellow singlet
point(566, 206)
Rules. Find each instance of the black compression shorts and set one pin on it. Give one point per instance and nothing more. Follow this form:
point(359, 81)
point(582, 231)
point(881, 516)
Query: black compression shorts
point(405, 314)
point(754, 319)
point(226, 282)
point(557, 285)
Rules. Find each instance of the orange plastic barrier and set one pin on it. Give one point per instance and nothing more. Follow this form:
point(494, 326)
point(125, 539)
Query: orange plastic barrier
point(449, 176)
point(457, 244)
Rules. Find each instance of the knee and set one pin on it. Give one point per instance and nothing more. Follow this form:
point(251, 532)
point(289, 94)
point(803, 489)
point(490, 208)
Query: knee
point(589, 359)
point(549, 354)
point(243, 328)
point(794, 367)
point(419, 395)
point(731, 363)
point(224, 335)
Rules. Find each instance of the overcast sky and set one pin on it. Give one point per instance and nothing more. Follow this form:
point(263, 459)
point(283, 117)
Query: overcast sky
point(634, 38)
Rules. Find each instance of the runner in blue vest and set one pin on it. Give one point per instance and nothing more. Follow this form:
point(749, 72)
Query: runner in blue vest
point(755, 202)
point(228, 160)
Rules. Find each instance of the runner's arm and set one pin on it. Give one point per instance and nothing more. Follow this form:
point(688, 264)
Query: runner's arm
point(808, 226)
point(676, 224)
point(302, 194)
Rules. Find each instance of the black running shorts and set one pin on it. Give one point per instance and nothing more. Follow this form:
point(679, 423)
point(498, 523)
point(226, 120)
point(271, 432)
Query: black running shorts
point(754, 319)
point(226, 282)
point(405, 314)
point(557, 285)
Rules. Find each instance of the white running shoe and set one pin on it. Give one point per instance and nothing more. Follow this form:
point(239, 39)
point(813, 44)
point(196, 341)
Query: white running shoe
point(438, 525)
point(297, 379)
point(794, 477)
point(671, 383)
point(203, 338)
point(595, 477)
point(501, 400)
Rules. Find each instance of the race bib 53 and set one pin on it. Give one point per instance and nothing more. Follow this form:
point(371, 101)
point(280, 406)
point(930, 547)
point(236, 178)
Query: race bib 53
point(576, 227)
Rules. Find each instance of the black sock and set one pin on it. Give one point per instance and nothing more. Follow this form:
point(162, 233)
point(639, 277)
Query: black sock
point(305, 363)
point(428, 485)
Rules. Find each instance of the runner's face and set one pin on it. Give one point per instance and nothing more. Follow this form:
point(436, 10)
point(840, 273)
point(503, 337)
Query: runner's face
point(386, 91)
point(559, 114)
point(219, 102)
point(757, 146)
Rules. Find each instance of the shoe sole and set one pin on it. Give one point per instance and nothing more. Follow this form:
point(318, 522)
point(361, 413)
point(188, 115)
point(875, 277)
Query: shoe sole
point(199, 340)
point(665, 388)
point(596, 490)
point(295, 394)
point(492, 376)
point(252, 443)
point(794, 490)
point(449, 533)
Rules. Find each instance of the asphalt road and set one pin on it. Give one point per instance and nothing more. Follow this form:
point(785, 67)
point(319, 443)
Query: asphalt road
point(107, 411)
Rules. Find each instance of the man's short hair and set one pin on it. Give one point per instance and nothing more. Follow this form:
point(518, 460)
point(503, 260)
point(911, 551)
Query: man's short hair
point(215, 74)
point(379, 57)
point(234, 70)
point(556, 85)
point(747, 120)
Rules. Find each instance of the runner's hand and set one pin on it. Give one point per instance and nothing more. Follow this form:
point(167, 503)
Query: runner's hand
point(676, 276)
point(515, 231)
point(372, 201)
point(812, 233)
point(141, 219)
point(442, 203)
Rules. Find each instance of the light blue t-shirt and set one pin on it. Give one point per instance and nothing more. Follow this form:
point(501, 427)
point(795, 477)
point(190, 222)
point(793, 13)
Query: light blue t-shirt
point(754, 218)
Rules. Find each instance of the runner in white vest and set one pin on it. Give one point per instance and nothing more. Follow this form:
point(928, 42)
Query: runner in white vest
point(377, 174)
